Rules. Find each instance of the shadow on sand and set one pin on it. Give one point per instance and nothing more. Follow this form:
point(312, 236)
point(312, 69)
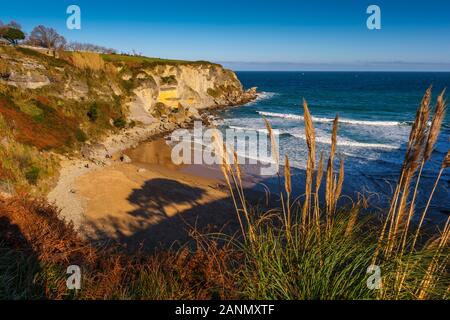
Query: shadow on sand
point(158, 221)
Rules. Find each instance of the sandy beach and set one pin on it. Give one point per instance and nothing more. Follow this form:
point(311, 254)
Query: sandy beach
point(145, 199)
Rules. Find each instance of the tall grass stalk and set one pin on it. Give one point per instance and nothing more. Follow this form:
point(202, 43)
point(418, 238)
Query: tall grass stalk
point(330, 180)
point(311, 143)
point(414, 152)
point(295, 260)
point(433, 134)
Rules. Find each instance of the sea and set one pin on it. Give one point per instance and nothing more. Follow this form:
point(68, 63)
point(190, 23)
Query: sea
point(375, 109)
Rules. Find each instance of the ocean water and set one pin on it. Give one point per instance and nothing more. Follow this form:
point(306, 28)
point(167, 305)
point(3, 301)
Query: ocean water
point(375, 109)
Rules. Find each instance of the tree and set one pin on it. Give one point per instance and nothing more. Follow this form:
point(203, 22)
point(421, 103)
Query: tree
point(12, 35)
point(47, 38)
point(15, 25)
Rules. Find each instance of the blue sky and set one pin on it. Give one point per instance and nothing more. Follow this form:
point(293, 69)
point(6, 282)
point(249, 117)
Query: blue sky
point(259, 35)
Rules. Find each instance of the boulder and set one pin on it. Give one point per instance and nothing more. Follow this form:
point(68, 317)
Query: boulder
point(193, 113)
point(28, 79)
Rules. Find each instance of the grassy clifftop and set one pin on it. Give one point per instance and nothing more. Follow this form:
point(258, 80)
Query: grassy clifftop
point(142, 60)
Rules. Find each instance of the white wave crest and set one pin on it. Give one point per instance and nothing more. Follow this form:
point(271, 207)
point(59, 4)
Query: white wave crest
point(324, 139)
point(262, 96)
point(248, 129)
point(350, 143)
point(319, 119)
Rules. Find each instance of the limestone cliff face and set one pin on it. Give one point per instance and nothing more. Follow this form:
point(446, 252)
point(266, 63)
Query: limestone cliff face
point(24, 73)
point(191, 86)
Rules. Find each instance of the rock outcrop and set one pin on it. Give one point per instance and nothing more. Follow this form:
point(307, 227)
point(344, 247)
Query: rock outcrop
point(27, 73)
point(191, 86)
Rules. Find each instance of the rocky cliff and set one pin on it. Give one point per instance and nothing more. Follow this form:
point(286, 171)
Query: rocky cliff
point(191, 85)
point(147, 89)
point(88, 105)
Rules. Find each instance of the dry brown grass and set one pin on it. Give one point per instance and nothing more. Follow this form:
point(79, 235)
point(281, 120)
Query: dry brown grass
point(311, 143)
point(397, 224)
point(416, 143)
point(87, 61)
point(273, 143)
point(319, 177)
point(331, 196)
point(55, 132)
point(4, 69)
point(288, 189)
point(330, 168)
point(233, 178)
point(32, 228)
point(433, 134)
point(446, 162)
point(438, 117)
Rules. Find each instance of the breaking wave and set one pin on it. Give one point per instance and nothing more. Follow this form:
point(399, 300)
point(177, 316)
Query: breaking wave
point(323, 120)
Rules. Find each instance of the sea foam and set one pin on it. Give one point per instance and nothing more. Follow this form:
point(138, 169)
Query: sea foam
point(324, 120)
point(323, 139)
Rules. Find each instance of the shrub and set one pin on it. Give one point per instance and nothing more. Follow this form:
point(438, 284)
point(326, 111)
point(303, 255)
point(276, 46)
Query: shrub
point(93, 112)
point(13, 35)
point(213, 93)
point(32, 175)
point(128, 85)
point(169, 80)
point(160, 109)
point(81, 136)
point(132, 124)
point(120, 123)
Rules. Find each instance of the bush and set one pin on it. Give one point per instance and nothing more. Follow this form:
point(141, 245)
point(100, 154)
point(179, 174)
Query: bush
point(32, 175)
point(169, 80)
point(81, 136)
point(160, 109)
point(119, 123)
point(213, 93)
point(13, 35)
point(93, 112)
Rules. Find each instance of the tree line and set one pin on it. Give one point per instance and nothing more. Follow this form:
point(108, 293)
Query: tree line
point(44, 37)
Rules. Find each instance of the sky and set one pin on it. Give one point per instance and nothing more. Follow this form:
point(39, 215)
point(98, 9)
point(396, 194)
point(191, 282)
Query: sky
point(258, 35)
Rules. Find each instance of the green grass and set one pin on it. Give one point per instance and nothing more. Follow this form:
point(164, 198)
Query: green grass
point(334, 266)
point(51, 61)
point(149, 61)
point(306, 268)
point(29, 169)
